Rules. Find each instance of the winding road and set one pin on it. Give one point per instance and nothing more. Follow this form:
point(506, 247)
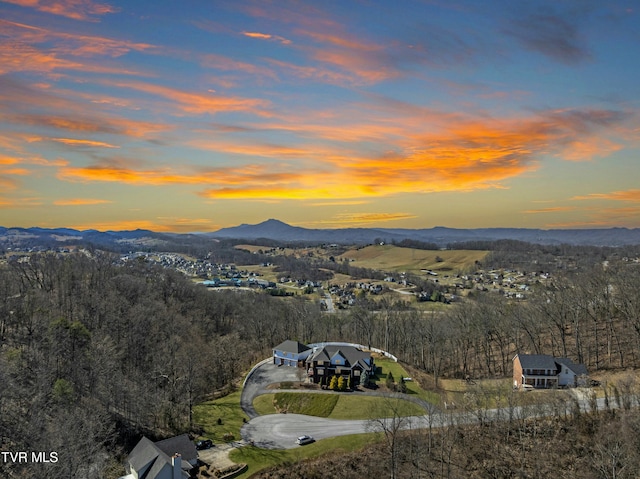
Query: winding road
point(279, 431)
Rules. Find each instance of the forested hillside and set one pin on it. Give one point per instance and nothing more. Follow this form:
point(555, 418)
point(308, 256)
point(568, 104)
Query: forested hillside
point(95, 352)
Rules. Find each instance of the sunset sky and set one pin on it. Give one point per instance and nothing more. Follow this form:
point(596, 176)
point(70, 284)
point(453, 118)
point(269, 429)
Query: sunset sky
point(197, 115)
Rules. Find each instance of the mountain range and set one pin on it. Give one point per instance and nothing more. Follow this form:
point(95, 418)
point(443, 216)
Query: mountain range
point(278, 231)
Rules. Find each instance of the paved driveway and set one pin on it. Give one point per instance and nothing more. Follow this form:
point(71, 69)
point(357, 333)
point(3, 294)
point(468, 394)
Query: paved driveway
point(279, 431)
point(259, 379)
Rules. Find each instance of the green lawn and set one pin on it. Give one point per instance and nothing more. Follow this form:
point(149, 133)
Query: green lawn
point(387, 365)
point(227, 409)
point(364, 407)
point(258, 459)
point(335, 406)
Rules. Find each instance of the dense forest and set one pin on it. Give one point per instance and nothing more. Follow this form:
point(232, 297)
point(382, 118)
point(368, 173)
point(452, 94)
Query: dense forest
point(94, 352)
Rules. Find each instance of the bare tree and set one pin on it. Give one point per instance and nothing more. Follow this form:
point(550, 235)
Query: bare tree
point(387, 418)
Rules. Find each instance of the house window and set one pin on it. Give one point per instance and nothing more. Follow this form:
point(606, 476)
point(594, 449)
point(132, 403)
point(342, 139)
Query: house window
point(338, 361)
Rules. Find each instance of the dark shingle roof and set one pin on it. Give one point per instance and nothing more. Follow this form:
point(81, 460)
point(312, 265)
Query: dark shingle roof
point(151, 455)
point(179, 444)
point(352, 355)
point(146, 454)
point(537, 361)
point(290, 346)
point(578, 369)
point(544, 361)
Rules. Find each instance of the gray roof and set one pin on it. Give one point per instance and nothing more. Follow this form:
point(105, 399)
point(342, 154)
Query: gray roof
point(544, 361)
point(290, 346)
point(149, 457)
point(578, 369)
point(352, 355)
point(537, 361)
point(181, 445)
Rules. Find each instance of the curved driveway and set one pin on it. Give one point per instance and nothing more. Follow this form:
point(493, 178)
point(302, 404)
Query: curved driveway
point(279, 431)
point(259, 378)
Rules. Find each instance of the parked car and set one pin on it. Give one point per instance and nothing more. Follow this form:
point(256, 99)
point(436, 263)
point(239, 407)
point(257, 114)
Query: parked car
point(204, 444)
point(302, 440)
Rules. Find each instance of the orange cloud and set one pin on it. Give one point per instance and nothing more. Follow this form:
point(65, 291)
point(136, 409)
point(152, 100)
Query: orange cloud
point(7, 160)
point(579, 224)
point(586, 149)
point(22, 202)
point(117, 126)
point(364, 218)
point(10, 160)
point(462, 156)
point(25, 37)
point(553, 209)
point(80, 202)
point(632, 195)
point(7, 183)
point(266, 36)
point(8, 169)
point(264, 150)
point(87, 143)
point(340, 203)
point(76, 9)
point(163, 225)
point(196, 103)
point(114, 171)
point(605, 217)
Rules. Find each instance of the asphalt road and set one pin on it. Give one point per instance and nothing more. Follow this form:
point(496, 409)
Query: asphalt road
point(279, 431)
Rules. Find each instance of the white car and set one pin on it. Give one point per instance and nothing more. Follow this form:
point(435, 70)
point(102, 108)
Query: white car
point(302, 440)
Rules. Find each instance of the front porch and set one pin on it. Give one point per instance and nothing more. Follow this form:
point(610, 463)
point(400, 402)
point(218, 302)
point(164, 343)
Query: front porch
point(539, 381)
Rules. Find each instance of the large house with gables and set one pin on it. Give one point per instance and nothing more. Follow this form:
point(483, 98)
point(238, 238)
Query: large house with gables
point(323, 361)
point(339, 360)
point(544, 371)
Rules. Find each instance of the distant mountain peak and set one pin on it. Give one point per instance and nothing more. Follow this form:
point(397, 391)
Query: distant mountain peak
point(278, 230)
point(273, 221)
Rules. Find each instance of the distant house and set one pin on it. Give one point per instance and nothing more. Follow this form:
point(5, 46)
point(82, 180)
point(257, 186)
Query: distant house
point(544, 371)
point(346, 361)
point(290, 353)
point(172, 458)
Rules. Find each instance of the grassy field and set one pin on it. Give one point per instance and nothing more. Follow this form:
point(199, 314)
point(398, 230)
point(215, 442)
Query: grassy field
point(394, 258)
point(258, 459)
point(334, 406)
point(227, 409)
point(386, 365)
